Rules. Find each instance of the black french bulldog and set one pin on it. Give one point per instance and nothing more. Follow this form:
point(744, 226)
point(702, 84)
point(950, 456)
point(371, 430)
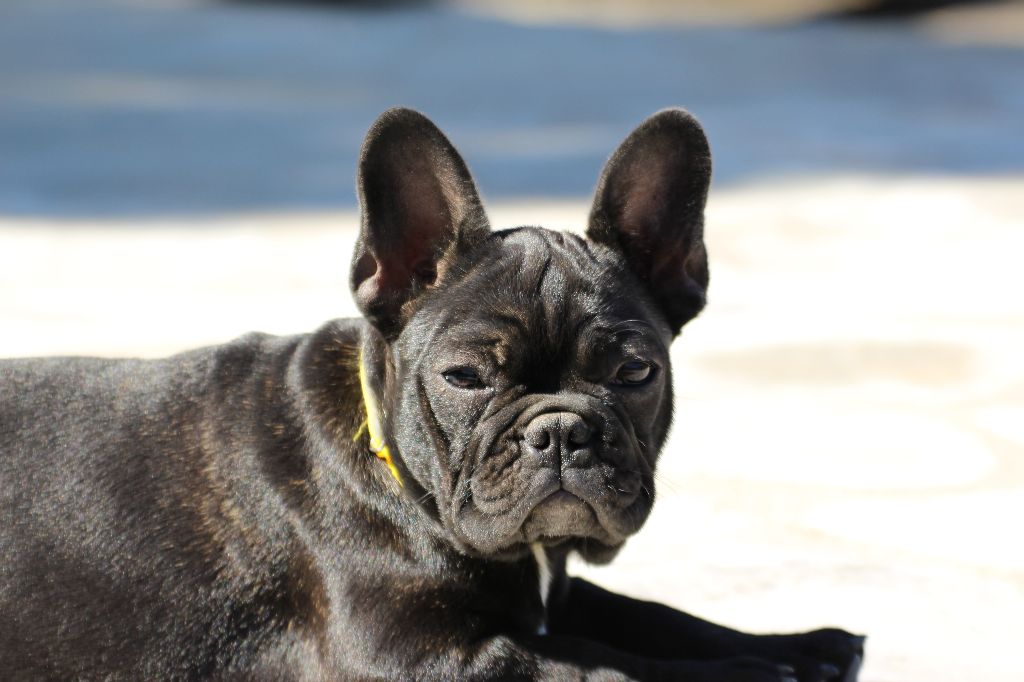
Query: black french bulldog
point(394, 497)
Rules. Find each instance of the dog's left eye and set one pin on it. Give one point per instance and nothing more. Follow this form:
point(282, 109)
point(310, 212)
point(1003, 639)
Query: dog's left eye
point(634, 373)
point(463, 377)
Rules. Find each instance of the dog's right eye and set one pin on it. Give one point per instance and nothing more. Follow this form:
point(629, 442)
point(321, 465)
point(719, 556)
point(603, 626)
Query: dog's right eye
point(463, 377)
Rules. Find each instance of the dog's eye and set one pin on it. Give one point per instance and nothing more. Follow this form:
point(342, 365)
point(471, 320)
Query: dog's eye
point(463, 377)
point(634, 373)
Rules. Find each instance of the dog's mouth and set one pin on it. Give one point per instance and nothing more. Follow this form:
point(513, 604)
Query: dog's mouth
point(552, 514)
point(518, 494)
point(560, 516)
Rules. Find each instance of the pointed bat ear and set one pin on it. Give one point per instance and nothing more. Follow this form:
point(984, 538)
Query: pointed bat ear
point(419, 206)
point(649, 205)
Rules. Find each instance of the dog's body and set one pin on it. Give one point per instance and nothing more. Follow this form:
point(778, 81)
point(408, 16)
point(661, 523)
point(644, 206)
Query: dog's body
point(394, 497)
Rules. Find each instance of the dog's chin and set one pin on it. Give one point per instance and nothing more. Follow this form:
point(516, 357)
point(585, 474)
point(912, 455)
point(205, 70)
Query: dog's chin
point(559, 517)
point(564, 520)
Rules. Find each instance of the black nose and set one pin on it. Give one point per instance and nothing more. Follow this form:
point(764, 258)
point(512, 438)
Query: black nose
point(562, 437)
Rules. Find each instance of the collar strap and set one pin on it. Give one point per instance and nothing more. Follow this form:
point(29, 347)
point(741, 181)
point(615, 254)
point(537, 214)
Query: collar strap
point(372, 423)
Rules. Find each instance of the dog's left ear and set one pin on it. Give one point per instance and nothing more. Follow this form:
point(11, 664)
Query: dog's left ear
point(419, 205)
point(649, 205)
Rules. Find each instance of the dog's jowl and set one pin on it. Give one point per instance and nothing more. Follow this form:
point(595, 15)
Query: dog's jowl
point(392, 497)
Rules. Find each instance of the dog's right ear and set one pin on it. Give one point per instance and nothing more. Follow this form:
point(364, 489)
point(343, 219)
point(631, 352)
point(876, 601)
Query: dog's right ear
point(419, 205)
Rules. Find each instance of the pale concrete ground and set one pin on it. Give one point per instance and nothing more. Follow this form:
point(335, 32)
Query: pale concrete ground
point(849, 446)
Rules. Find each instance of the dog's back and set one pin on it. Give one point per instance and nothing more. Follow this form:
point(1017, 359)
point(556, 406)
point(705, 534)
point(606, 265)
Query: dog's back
point(121, 531)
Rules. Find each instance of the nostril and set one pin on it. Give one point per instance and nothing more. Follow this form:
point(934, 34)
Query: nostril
point(537, 438)
point(558, 432)
point(580, 432)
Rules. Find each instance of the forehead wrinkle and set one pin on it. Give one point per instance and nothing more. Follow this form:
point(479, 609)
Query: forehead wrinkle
point(561, 281)
point(541, 287)
point(565, 296)
point(488, 335)
point(437, 328)
point(633, 327)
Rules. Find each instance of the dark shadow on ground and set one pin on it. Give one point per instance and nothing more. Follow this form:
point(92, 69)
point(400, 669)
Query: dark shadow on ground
point(109, 108)
point(884, 9)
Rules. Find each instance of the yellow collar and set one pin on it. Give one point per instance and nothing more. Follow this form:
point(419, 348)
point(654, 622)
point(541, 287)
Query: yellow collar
point(372, 423)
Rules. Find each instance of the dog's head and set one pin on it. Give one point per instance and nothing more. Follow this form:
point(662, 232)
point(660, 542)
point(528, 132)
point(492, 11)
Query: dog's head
point(523, 374)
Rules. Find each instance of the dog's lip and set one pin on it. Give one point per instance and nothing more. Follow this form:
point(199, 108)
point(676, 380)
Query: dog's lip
point(560, 514)
point(561, 496)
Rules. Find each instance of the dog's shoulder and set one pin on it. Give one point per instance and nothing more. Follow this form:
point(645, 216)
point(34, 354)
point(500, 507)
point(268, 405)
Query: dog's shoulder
point(77, 409)
point(179, 473)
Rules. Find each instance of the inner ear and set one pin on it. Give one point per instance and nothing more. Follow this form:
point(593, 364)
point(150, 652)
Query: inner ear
point(408, 213)
point(419, 205)
point(649, 205)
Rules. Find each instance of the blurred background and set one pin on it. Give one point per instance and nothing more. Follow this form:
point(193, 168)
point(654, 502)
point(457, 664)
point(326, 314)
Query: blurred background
point(849, 441)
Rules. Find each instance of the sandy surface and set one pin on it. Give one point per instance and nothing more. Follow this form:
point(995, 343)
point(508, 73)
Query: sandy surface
point(849, 447)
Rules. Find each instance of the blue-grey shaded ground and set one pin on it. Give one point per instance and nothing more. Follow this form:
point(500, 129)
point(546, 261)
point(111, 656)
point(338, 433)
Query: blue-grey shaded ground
point(133, 109)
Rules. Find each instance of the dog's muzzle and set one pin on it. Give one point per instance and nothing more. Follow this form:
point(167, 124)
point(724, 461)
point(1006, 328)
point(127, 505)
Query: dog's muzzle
point(555, 468)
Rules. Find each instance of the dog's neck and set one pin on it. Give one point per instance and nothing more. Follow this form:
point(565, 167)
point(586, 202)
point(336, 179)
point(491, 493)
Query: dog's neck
point(347, 467)
point(372, 424)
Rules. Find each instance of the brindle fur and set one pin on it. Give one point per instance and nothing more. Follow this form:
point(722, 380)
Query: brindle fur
point(214, 515)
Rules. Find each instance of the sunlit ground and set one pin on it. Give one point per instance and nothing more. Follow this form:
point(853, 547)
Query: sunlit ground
point(848, 448)
point(849, 440)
